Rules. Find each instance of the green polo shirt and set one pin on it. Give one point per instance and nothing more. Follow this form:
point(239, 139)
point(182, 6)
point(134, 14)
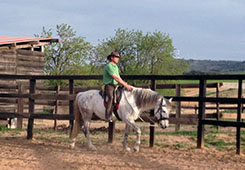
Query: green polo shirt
point(108, 71)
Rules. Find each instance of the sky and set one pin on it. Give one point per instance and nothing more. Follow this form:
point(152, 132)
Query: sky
point(199, 29)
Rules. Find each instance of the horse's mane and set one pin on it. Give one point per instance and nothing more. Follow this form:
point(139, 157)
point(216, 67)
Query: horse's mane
point(145, 97)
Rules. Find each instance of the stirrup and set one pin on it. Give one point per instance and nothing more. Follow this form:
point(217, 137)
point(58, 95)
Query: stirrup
point(109, 120)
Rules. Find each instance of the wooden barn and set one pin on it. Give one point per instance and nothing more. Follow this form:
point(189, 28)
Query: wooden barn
point(20, 56)
point(23, 55)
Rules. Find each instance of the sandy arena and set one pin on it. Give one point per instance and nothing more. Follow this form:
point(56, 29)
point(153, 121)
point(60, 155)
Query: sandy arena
point(50, 151)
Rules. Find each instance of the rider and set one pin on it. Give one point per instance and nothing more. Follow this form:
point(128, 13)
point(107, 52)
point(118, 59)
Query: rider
point(111, 79)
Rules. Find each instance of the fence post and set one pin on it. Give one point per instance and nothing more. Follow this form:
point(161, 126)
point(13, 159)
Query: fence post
point(56, 106)
point(111, 131)
point(201, 113)
point(71, 105)
point(31, 109)
point(239, 111)
point(178, 106)
point(152, 128)
point(20, 106)
point(217, 104)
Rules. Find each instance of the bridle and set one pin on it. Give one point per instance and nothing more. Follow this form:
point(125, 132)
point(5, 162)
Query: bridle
point(160, 110)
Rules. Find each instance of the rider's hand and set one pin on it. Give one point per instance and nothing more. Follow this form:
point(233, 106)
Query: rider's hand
point(128, 87)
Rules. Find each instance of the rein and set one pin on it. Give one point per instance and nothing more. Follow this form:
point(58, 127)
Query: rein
point(161, 110)
point(158, 110)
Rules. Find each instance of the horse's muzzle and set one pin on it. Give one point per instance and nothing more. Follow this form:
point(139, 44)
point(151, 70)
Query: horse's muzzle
point(163, 126)
point(164, 123)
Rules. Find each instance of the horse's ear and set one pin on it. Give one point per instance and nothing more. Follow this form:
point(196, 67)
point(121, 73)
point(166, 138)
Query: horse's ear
point(170, 100)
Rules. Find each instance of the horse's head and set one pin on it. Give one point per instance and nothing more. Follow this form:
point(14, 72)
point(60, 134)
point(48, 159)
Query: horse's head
point(162, 112)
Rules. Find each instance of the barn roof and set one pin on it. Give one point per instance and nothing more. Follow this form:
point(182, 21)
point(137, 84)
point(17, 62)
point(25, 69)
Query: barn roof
point(25, 42)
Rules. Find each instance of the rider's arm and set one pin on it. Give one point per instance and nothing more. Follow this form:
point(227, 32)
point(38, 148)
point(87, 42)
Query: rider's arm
point(120, 81)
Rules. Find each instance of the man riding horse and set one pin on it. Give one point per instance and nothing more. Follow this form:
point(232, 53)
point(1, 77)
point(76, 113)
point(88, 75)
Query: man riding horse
point(111, 79)
point(133, 102)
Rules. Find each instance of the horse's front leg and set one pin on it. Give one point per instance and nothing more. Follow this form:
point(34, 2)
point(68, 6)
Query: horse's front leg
point(87, 135)
point(133, 125)
point(126, 133)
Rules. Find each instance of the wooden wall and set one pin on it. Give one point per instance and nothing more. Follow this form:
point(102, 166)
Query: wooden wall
point(7, 62)
point(18, 62)
point(21, 62)
point(29, 62)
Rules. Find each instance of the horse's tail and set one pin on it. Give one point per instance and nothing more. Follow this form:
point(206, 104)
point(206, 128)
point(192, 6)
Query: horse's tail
point(78, 120)
point(77, 113)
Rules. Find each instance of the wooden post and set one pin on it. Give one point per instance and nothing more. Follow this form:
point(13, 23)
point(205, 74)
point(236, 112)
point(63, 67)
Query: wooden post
point(239, 111)
point(111, 132)
point(152, 128)
point(31, 109)
point(42, 49)
point(178, 106)
point(20, 106)
point(201, 113)
point(71, 105)
point(56, 106)
point(217, 104)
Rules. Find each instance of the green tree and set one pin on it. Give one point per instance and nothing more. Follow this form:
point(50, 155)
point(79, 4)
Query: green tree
point(123, 42)
point(70, 51)
point(152, 53)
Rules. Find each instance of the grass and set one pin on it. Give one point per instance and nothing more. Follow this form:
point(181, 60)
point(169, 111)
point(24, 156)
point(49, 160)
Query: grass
point(219, 144)
point(224, 93)
point(13, 132)
point(221, 140)
point(229, 111)
point(48, 111)
point(179, 145)
point(3, 128)
point(178, 133)
point(228, 93)
point(211, 139)
point(208, 81)
point(50, 133)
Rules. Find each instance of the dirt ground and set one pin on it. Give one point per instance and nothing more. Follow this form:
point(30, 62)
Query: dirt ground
point(50, 151)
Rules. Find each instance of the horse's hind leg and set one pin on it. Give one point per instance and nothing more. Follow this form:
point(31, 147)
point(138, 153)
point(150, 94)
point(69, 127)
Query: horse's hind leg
point(74, 133)
point(87, 135)
point(77, 125)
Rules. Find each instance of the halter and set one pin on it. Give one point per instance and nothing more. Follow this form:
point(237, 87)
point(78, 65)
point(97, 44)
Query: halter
point(161, 110)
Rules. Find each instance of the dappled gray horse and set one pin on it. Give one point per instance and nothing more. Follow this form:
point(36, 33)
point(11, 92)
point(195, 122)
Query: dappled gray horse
point(132, 104)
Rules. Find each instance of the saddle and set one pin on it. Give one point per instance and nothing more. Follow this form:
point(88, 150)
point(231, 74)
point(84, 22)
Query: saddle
point(117, 95)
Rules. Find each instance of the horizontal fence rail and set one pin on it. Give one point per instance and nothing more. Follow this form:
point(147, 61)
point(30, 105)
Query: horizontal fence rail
point(127, 77)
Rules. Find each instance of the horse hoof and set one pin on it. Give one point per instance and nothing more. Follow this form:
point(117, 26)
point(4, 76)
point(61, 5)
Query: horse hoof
point(72, 146)
point(128, 149)
point(92, 148)
point(136, 149)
